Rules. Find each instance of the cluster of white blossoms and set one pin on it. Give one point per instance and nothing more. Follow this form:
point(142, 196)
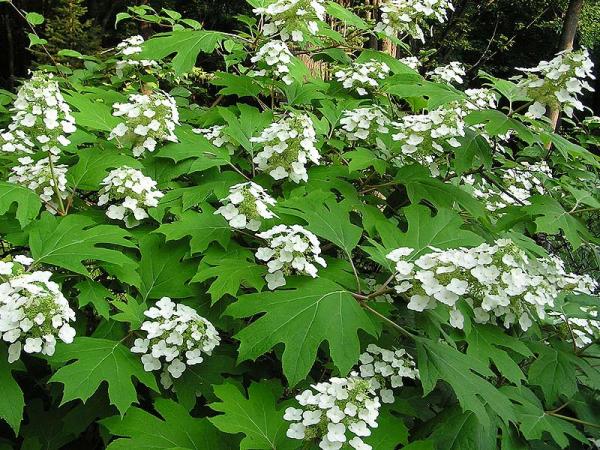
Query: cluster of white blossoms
point(449, 74)
point(556, 84)
point(290, 249)
point(127, 48)
point(147, 120)
point(520, 183)
point(131, 193)
point(246, 205)
point(216, 137)
point(412, 62)
point(481, 98)
point(292, 18)
point(363, 77)
point(386, 370)
point(497, 281)
point(407, 17)
point(178, 335)
point(40, 116)
point(47, 180)
point(277, 57)
point(363, 124)
point(335, 413)
point(287, 146)
point(423, 136)
point(583, 331)
point(33, 310)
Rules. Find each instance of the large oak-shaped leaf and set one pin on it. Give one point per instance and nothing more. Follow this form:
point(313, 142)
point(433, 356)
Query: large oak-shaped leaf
point(302, 318)
point(67, 241)
point(98, 361)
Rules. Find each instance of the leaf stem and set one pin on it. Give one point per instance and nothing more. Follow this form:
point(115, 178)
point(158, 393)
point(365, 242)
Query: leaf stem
point(573, 419)
point(391, 323)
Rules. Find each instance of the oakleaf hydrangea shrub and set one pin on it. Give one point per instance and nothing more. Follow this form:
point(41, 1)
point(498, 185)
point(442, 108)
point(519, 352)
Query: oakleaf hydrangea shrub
point(284, 238)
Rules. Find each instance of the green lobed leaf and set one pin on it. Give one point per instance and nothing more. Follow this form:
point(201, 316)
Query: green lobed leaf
point(256, 415)
point(28, 202)
point(91, 362)
point(173, 429)
point(68, 241)
point(13, 403)
point(301, 318)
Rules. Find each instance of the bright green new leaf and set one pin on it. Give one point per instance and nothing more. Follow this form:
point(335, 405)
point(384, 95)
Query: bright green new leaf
point(96, 361)
point(68, 241)
point(240, 85)
point(173, 429)
point(301, 318)
point(257, 416)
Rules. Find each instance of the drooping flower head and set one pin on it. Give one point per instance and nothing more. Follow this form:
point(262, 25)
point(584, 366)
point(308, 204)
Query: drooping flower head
point(33, 311)
point(176, 337)
point(147, 119)
point(129, 193)
point(287, 146)
point(290, 250)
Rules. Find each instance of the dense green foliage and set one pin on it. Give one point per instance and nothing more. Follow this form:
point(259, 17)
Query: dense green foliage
point(198, 227)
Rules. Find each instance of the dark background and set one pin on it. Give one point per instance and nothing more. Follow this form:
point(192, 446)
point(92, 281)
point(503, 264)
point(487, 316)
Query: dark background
point(493, 35)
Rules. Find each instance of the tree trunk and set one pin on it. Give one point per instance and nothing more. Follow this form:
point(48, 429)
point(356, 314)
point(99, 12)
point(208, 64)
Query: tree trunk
point(567, 39)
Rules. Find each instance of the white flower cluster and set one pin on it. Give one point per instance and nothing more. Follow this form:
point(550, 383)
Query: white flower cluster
point(292, 18)
point(497, 281)
point(133, 190)
point(128, 47)
point(363, 124)
point(481, 98)
point(288, 145)
point(450, 73)
point(423, 136)
point(412, 62)
point(277, 57)
point(557, 83)
point(291, 249)
point(39, 115)
point(332, 410)
point(406, 17)
point(363, 77)
point(33, 310)
point(216, 137)
point(246, 205)
point(520, 184)
point(177, 334)
point(386, 370)
point(45, 179)
point(148, 119)
point(584, 331)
